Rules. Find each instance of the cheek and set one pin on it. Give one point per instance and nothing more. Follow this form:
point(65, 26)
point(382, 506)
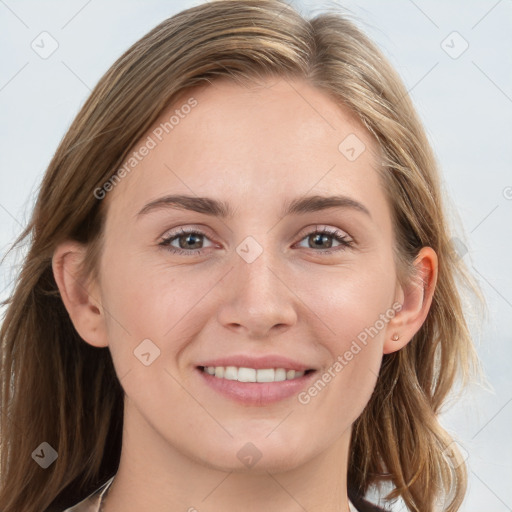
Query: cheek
point(167, 304)
point(356, 307)
point(153, 310)
point(350, 300)
point(149, 297)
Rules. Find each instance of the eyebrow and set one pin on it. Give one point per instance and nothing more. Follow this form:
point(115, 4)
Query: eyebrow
point(217, 208)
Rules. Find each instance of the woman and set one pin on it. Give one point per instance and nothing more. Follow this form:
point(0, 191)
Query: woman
point(180, 339)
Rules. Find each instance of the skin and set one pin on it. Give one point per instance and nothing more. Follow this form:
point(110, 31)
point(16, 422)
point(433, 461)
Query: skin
point(255, 148)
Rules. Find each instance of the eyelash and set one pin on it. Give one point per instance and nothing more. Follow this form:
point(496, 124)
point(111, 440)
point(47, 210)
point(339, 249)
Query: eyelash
point(343, 239)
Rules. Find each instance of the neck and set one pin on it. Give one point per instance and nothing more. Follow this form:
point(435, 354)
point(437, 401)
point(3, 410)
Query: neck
point(155, 475)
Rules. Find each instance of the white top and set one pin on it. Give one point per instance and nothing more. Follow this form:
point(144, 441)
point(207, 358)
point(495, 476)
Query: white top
point(351, 507)
point(93, 501)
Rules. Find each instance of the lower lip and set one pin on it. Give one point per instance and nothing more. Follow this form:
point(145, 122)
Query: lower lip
point(256, 393)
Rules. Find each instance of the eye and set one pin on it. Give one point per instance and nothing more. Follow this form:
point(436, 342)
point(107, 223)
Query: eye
point(322, 239)
point(188, 242)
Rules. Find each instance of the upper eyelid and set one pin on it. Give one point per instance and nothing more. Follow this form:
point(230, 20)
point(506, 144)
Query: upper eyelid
point(187, 230)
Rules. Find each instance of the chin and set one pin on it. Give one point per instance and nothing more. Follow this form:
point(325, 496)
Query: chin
point(256, 455)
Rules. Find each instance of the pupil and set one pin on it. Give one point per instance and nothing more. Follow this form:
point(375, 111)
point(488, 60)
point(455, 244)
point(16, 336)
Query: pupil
point(319, 238)
point(187, 244)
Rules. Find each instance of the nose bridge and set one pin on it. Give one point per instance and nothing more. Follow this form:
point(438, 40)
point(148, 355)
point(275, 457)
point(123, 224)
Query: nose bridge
point(257, 297)
point(256, 270)
point(259, 276)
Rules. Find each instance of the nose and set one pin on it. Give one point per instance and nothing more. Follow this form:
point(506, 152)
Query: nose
point(257, 301)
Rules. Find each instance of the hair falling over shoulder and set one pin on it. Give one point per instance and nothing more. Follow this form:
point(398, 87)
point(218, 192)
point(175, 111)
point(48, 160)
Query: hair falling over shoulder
point(56, 388)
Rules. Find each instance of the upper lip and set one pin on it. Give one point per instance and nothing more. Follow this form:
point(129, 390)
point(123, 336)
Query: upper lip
point(258, 362)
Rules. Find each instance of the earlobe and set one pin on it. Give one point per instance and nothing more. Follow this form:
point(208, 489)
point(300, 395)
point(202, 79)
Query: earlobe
point(416, 299)
point(78, 293)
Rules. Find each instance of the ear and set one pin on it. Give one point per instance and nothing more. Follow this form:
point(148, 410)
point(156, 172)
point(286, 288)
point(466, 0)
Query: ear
point(416, 298)
point(79, 294)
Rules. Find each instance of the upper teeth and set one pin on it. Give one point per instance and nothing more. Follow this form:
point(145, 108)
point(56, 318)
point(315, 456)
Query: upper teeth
point(252, 374)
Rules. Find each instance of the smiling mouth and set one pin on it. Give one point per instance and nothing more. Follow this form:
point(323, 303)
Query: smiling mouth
point(253, 375)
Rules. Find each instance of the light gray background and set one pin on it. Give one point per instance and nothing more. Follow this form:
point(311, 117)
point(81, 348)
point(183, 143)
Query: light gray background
point(465, 103)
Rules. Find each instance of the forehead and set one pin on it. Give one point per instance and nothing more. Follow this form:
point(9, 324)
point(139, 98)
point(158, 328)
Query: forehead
point(278, 137)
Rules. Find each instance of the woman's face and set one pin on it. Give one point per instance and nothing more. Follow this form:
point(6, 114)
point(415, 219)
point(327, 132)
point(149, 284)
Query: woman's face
point(254, 283)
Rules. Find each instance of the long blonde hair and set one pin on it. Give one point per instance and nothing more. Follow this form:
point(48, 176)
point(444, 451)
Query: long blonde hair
point(59, 389)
